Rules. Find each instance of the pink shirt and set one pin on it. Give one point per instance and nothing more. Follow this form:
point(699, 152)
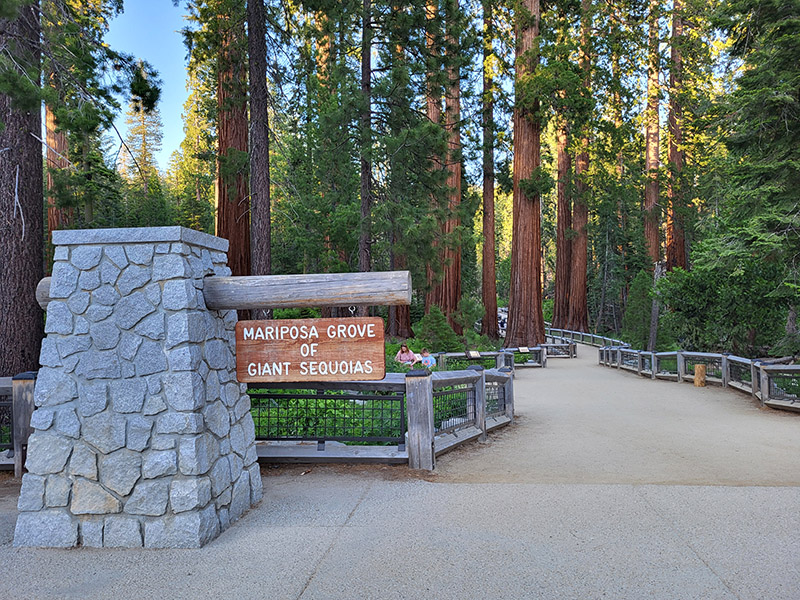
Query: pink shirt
point(405, 356)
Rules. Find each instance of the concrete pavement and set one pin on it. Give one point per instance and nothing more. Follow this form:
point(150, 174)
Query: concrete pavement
point(608, 486)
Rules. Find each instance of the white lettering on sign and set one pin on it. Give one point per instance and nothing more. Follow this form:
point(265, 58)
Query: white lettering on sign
point(356, 330)
point(275, 368)
point(336, 367)
point(280, 332)
point(310, 349)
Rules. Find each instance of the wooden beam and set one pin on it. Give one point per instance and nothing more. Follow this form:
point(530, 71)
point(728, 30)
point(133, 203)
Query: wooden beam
point(295, 291)
point(388, 288)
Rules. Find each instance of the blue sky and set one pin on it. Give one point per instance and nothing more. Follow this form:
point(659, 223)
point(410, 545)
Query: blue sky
point(150, 29)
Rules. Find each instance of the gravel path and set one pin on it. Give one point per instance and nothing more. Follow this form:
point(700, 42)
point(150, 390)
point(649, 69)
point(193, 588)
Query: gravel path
point(607, 486)
point(582, 423)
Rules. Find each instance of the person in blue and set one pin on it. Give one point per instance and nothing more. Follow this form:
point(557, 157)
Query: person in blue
point(427, 360)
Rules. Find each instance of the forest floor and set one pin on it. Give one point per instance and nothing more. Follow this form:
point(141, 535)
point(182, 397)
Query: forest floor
point(607, 485)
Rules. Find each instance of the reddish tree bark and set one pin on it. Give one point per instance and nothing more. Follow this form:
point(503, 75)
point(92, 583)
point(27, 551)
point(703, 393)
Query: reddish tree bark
point(578, 319)
point(563, 228)
point(447, 292)
point(525, 320)
point(676, 238)
point(489, 277)
point(651, 190)
point(56, 156)
point(232, 190)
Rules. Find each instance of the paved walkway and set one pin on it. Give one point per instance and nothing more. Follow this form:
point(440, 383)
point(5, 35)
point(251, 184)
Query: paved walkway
point(607, 486)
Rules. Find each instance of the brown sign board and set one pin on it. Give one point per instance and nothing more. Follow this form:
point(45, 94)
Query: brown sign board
point(348, 349)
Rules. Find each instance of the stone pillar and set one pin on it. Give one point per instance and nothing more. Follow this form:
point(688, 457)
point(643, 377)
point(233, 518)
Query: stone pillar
point(142, 434)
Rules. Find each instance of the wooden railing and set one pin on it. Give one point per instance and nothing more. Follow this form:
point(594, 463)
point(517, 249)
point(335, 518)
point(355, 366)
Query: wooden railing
point(590, 339)
point(443, 409)
point(18, 428)
point(775, 385)
point(512, 358)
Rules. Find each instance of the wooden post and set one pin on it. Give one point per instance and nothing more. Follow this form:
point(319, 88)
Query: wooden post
point(544, 357)
point(681, 360)
point(480, 400)
point(639, 363)
point(441, 361)
point(619, 358)
point(700, 375)
point(419, 401)
point(509, 392)
point(754, 377)
point(764, 377)
point(725, 371)
point(22, 398)
point(600, 356)
point(653, 362)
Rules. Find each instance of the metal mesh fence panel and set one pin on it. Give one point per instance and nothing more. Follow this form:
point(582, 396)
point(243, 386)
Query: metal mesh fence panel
point(343, 417)
point(495, 399)
point(6, 423)
point(784, 387)
point(453, 408)
point(713, 365)
point(739, 372)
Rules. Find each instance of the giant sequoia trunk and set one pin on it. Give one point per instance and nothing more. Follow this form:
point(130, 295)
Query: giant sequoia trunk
point(676, 238)
point(446, 292)
point(56, 153)
point(651, 210)
point(578, 309)
point(232, 190)
point(489, 279)
point(260, 230)
point(563, 227)
point(21, 195)
point(525, 320)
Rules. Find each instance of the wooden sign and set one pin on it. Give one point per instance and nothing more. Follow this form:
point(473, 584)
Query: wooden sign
point(349, 349)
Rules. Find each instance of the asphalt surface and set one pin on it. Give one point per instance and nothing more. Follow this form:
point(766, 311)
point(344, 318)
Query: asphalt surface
point(606, 486)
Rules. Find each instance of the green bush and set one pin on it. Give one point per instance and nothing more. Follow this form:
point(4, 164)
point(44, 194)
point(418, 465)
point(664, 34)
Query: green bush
point(434, 332)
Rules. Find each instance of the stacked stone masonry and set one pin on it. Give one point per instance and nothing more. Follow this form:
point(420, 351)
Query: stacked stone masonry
point(142, 435)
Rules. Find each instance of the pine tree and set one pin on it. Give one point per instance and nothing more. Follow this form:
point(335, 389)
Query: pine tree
point(143, 140)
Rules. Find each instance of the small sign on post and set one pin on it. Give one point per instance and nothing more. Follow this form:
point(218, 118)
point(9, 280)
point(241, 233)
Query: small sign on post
point(296, 350)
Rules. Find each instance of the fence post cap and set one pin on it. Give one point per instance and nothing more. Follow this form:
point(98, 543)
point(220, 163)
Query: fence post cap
point(418, 373)
point(27, 375)
point(475, 368)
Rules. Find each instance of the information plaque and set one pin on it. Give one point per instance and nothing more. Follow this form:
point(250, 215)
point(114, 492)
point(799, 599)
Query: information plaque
point(289, 350)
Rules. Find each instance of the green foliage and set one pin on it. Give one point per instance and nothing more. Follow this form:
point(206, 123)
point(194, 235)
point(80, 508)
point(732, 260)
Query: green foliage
point(296, 313)
point(547, 309)
point(636, 321)
point(720, 306)
point(331, 417)
point(435, 333)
